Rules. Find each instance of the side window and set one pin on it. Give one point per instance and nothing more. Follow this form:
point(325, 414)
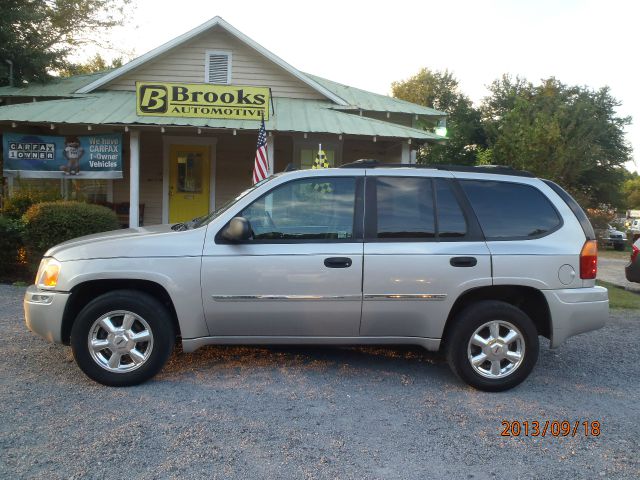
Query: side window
point(309, 209)
point(510, 210)
point(404, 208)
point(451, 220)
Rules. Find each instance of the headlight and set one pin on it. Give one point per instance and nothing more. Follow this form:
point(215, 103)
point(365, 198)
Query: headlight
point(48, 272)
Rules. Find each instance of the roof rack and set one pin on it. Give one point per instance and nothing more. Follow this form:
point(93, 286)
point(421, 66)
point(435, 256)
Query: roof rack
point(495, 169)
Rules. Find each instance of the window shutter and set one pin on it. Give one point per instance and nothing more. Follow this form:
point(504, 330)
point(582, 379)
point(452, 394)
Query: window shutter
point(218, 65)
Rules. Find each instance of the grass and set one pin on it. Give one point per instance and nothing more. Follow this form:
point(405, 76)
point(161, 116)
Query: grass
point(621, 298)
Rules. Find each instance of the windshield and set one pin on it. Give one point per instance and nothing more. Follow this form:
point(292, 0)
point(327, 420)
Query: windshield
point(199, 222)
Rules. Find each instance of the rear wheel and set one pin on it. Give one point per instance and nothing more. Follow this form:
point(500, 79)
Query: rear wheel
point(492, 346)
point(122, 338)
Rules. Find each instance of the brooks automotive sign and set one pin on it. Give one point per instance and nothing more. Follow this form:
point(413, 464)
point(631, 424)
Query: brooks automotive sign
point(202, 100)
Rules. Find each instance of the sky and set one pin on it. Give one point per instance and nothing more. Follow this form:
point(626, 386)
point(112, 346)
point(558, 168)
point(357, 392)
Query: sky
point(370, 44)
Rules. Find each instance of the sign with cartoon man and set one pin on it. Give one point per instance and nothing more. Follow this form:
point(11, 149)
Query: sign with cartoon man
point(54, 156)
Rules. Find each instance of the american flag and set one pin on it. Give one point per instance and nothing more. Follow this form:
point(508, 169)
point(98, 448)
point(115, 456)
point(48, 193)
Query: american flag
point(261, 165)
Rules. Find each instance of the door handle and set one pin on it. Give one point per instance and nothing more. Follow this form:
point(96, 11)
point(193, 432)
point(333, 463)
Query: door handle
point(337, 262)
point(463, 262)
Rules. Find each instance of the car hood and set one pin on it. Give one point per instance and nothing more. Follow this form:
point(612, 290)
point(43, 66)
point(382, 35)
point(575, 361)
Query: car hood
point(151, 241)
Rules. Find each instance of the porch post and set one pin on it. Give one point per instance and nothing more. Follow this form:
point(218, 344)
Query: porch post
point(270, 154)
point(406, 153)
point(134, 178)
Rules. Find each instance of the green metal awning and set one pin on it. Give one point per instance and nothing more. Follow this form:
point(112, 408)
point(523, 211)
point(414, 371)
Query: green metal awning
point(291, 115)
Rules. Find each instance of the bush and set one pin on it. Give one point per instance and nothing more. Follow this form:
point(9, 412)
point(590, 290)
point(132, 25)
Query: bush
point(17, 204)
point(50, 223)
point(10, 246)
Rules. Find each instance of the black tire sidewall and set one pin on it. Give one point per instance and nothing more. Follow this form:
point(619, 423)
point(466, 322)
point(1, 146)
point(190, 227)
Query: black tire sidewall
point(144, 305)
point(471, 318)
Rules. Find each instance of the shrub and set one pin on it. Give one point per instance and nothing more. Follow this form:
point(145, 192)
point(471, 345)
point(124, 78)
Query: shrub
point(10, 245)
point(17, 204)
point(50, 223)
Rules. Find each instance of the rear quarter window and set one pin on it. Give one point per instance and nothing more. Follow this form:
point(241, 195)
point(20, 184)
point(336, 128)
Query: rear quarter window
point(509, 211)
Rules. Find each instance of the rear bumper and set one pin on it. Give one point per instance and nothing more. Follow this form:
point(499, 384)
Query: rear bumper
point(43, 312)
point(632, 271)
point(576, 310)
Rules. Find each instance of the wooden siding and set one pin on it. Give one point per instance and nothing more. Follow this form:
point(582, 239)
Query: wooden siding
point(186, 64)
point(387, 152)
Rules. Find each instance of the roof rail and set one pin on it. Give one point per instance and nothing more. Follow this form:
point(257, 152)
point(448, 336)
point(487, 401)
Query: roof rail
point(495, 169)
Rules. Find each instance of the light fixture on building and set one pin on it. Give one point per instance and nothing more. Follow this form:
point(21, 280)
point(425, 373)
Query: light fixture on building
point(126, 128)
point(52, 126)
point(441, 128)
point(388, 114)
point(305, 134)
point(161, 129)
point(340, 137)
point(89, 127)
point(14, 124)
point(199, 131)
point(375, 139)
point(235, 132)
point(409, 141)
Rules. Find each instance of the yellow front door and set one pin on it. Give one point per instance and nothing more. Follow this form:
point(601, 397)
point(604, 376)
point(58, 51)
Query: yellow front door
point(188, 182)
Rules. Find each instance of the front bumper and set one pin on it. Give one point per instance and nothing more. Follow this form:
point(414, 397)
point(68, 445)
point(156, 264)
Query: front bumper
point(43, 312)
point(576, 310)
point(632, 271)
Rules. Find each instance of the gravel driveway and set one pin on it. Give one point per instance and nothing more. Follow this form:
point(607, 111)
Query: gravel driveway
point(251, 413)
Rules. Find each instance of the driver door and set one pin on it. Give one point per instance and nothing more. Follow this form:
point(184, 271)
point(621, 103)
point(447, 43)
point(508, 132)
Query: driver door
point(300, 274)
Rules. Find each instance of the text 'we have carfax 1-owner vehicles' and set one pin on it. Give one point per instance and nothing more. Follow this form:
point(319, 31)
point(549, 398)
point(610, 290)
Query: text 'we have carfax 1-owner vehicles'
point(479, 264)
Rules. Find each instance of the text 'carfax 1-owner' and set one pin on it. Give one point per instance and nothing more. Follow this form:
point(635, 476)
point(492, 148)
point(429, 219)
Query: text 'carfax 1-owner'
point(54, 156)
point(201, 100)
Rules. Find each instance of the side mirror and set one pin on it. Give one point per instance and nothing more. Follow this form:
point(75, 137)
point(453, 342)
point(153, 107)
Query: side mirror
point(237, 230)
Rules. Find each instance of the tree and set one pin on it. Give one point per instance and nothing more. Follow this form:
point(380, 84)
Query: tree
point(569, 134)
point(95, 64)
point(440, 90)
point(631, 191)
point(39, 35)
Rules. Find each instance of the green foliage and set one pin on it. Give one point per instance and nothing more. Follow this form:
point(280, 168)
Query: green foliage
point(440, 90)
point(17, 204)
point(568, 134)
point(10, 244)
point(631, 191)
point(50, 223)
point(39, 35)
point(93, 65)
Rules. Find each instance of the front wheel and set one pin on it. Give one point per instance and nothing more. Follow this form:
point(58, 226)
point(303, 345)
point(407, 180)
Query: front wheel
point(122, 338)
point(492, 346)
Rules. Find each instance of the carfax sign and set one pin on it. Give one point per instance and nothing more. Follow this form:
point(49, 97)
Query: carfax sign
point(54, 156)
point(202, 100)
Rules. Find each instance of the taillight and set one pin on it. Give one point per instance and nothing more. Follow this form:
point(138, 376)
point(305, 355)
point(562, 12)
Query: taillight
point(589, 260)
point(634, 253)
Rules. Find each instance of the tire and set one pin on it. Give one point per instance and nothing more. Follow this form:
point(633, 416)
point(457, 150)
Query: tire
point(501, 370)
point(141, 350)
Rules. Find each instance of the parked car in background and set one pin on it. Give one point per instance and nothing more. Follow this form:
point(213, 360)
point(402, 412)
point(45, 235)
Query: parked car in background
point(476, 261)
point(614, 238)
point(632, 270)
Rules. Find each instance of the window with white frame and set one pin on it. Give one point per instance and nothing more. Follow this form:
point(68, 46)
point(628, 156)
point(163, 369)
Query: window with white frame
point(217, 67)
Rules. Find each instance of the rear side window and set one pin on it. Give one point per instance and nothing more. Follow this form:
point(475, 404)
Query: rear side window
point(511, 210)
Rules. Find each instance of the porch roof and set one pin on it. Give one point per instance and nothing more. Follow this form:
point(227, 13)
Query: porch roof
point(291, 115)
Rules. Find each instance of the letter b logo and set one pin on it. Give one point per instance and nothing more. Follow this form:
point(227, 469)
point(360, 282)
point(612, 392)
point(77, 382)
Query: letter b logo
point(153, 99)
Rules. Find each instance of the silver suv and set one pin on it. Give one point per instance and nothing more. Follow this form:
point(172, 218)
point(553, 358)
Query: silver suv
point(477, 262)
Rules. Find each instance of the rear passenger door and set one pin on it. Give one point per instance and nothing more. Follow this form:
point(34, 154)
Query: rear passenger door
point(423, 248)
